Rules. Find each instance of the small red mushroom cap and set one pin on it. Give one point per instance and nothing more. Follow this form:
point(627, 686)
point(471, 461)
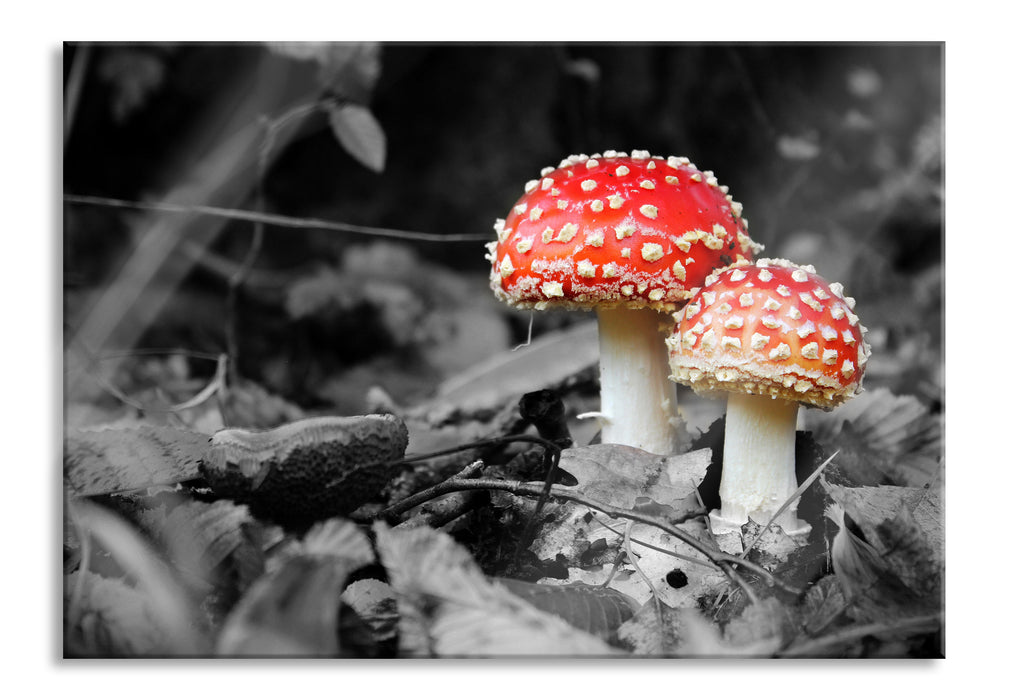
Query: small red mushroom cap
point(614, 229)
point(771, 327)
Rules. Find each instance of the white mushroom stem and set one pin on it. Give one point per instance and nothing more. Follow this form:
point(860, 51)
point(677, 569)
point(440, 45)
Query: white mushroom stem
point(758, 464)
point(637, 399)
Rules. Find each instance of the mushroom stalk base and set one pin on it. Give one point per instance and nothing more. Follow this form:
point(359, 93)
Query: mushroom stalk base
point(637, 399)
point(758, 466)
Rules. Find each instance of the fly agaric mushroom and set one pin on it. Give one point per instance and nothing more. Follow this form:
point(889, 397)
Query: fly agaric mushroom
point(774, 335)
point(631, 237)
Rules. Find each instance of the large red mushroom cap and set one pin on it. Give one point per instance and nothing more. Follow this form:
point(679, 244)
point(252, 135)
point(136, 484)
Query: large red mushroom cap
point(772, 328)
point(616, 230)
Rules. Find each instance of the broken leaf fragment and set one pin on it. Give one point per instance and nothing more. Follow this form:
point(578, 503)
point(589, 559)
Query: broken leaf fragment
point(448, 608)
point(293, 610)
point(112, 460)
point(890, 559)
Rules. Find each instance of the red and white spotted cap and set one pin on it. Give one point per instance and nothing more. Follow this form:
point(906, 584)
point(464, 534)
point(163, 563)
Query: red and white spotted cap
point(771, 327)
point(613, 230)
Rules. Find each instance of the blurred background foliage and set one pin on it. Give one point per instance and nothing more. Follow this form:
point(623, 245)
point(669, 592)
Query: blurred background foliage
point(835, 151)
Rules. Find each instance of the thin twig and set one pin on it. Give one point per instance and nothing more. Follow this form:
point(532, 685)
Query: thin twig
point(410, 502)
point(277, 219)
point(668, 552)
point(655, 594)
point(75, 84)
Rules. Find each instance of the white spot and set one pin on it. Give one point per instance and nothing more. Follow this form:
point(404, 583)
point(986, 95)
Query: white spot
point(734, 322)
point(782, 352)
point(770, 322)
point(592, 163)
point(829, 357)
point(648, 184)
point(597, 205)
point(611, 270)
point(552, 289)
point(548, 234)
point(616, 201)
point(820, 294)
point(837, 288)
point(595, 239)
point(708, 339)
point(794, 314)
point(506, 267)
point(624, 230)
point(784, 291)
point(764, 276)
point(691, 310)
point(627, 290)
point(588, 185)
point(810, 351)
point(523, 245)
point(709, 298)
point(547, 170)
point(737, 211)
point(651, 165)
point(730, 342)
point(520, 208)
point(640, 155)
point(758, 341)
point(828, 332)
point(847, 369)
point(546, 183)
point(622, 170)
point(672, 180)
point(746, 299)
point(712, 241)
point(562, 204)
point(532, 185)
point(567, 232)
point(679, 272)
point(803, 385)
point(805, 329)
point(625, 252)
point(586, 268)
point(799, 275)
point(683, 244)
point(848, 338)
point(696, 177)
point(649, 210)
point(771, 304)
point(651, 251)
point(737, 275)
point(535, 214)
point(724, 308)
point(656, 294)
